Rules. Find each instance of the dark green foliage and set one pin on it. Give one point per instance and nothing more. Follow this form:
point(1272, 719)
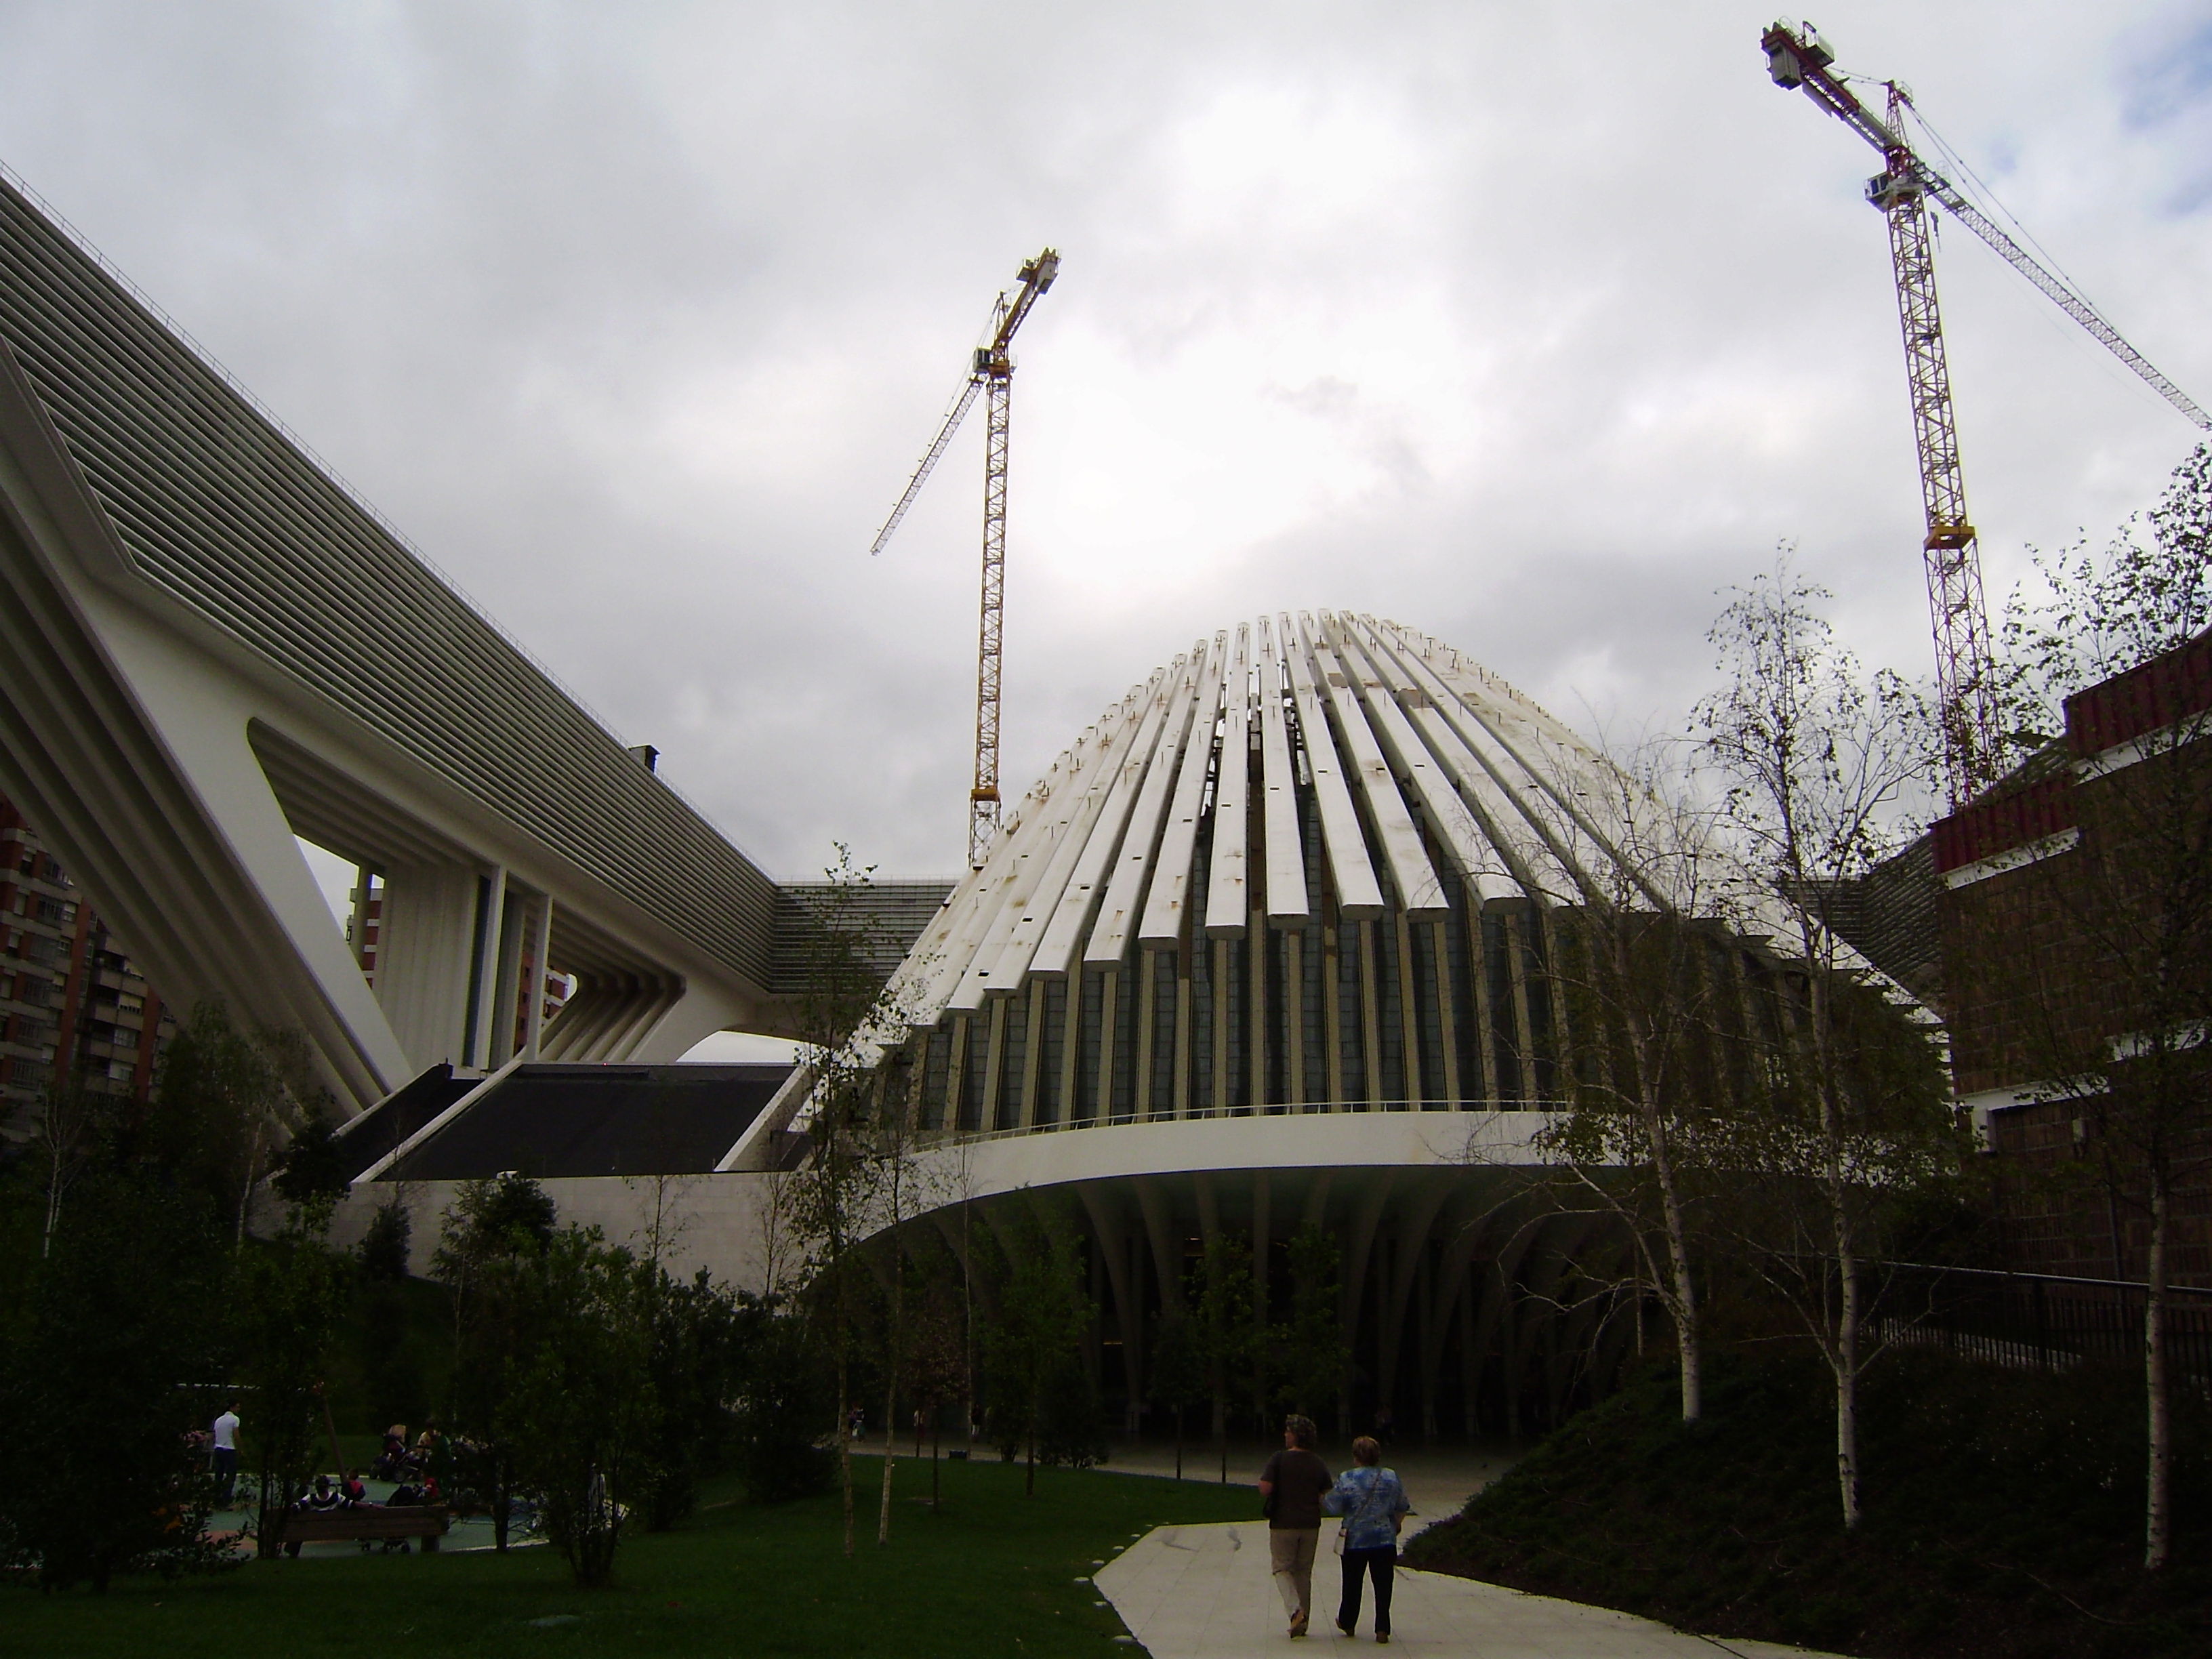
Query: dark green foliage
point(1225, 1321)
point(1037, 1325)
point(494, 1230)
point(287, 1297)
point(698, 1336)
point(778, 1426)
point(581, 1415)
point(226, 1103)
point(1070, 1427)
point(1178, 1374)
point(383, 1246)
point(1999, 1504)
point(129, 1305)
point(312, 1167)
point(1311, 1356)
point(500, 1216)
point(396, 1338)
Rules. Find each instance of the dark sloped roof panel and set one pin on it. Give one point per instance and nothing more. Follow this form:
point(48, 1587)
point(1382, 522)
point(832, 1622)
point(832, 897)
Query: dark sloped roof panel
point(403, 1112)
point(549, 1121)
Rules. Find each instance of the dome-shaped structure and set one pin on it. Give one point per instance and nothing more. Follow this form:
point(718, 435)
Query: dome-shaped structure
point(1305, 866)
point(1297, 936)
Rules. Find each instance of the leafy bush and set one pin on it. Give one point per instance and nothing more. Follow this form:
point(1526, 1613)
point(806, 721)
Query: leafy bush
point(128, 1303)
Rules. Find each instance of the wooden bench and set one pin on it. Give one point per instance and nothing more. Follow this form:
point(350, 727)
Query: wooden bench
point(367, 1524)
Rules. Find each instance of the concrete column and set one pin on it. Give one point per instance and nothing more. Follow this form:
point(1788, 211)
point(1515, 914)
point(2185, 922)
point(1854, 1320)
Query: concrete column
point(541, 943)
point(424, 951)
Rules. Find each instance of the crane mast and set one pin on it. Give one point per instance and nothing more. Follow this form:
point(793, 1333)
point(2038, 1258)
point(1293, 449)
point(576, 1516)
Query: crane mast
point(990, 374)
point(1798, 59)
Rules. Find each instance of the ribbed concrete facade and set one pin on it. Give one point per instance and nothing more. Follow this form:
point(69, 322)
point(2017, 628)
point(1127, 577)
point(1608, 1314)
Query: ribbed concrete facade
point(1308, 865)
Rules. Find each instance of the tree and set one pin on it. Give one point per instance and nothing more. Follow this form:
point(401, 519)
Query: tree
point(386, 1243)
point(1043, 1313)
point(1313, 1356)
point(226, 1103)
point(856, 1179)
point(493, 1230)
point(1650, 992)
point(1179, 1371)
point(778, 1396)
point(696, 1358)
point(937, 1347)
point(581, 1415)
point(69, 1135)
point(1820, 764)
point(289, 1296)
point(1228, 1334)
point(126, 1306)
point(2120, 998)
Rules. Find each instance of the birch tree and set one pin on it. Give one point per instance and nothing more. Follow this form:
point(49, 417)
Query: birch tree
point(2118, 1000)
point(1648, 988)
point(1821, 764)
point(857, 1177)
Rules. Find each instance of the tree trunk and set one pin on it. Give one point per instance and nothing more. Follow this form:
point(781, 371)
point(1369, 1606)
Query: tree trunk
point(1683, 1300)
point(891, 1457)
point(499, 1482)
point(845, 1440)
point(2158, 1518)
point(1844, 1337)
point(53, 1193)
point(1847, 1393)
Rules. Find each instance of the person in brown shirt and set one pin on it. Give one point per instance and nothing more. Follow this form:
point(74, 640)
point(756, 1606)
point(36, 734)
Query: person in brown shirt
point(1291, 1487)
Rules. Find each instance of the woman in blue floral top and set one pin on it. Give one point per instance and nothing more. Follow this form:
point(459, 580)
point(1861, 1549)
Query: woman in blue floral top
point(1373, 1505)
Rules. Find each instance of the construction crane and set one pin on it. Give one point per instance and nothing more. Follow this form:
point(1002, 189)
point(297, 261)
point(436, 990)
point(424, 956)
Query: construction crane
point(990, 371)
point(1798, 59)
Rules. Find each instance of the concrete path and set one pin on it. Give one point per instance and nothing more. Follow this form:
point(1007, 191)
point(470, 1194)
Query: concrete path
point(1438, 1481)
point(1206, 1593)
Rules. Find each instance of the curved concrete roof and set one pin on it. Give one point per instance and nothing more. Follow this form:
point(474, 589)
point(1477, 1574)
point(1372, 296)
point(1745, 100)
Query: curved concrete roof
point(1385, 768)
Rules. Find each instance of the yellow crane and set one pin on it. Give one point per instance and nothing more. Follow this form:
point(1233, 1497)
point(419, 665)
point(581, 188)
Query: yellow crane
point(990, 371)
point(1798, 59)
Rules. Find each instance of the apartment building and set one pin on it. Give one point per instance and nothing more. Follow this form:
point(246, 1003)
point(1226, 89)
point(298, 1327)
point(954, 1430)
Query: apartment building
point(70, 1000)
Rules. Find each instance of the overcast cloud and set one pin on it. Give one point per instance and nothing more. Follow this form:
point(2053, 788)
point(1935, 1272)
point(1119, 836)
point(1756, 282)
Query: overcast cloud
point(1530, 326)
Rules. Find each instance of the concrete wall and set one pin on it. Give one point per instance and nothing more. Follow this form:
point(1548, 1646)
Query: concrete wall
point(715, 1221)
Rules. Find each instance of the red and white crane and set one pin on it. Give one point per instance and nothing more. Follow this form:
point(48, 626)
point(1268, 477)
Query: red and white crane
point(991, 371)
point(1799, 60)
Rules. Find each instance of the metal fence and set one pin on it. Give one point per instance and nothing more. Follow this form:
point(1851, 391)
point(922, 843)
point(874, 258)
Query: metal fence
point(2039, 1321)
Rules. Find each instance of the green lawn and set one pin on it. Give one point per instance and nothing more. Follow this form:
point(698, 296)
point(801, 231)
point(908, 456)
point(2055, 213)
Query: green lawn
point(995, 1573)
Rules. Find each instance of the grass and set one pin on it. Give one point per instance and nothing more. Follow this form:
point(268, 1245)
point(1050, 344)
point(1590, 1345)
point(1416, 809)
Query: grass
point(995, 1573)
point(2003, 1515)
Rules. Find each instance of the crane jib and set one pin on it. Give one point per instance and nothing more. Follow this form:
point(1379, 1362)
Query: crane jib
point(1800, 62)
point(990, 371)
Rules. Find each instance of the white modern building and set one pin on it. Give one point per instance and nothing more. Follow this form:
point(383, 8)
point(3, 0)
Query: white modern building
point(211, 648)
point(1286, 937)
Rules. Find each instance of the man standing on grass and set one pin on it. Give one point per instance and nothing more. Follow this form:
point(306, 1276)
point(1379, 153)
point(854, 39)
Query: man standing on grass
point(225, 1453)
point(1290, 1490)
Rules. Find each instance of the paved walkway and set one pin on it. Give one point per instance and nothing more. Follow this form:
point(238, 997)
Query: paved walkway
point(1439, 1479)
point(1206, 1593)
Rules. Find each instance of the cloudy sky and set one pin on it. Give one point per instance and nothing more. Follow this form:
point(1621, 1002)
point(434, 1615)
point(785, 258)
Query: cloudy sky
point(1531, 327)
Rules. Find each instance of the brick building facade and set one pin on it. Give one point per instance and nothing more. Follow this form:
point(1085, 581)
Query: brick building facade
point(70, 1000)
point(2075, 918)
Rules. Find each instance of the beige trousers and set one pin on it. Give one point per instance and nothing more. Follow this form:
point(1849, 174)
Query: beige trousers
point(1293, 1550)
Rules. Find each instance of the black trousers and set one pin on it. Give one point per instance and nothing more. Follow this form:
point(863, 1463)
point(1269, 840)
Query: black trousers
point(1380, 1564)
